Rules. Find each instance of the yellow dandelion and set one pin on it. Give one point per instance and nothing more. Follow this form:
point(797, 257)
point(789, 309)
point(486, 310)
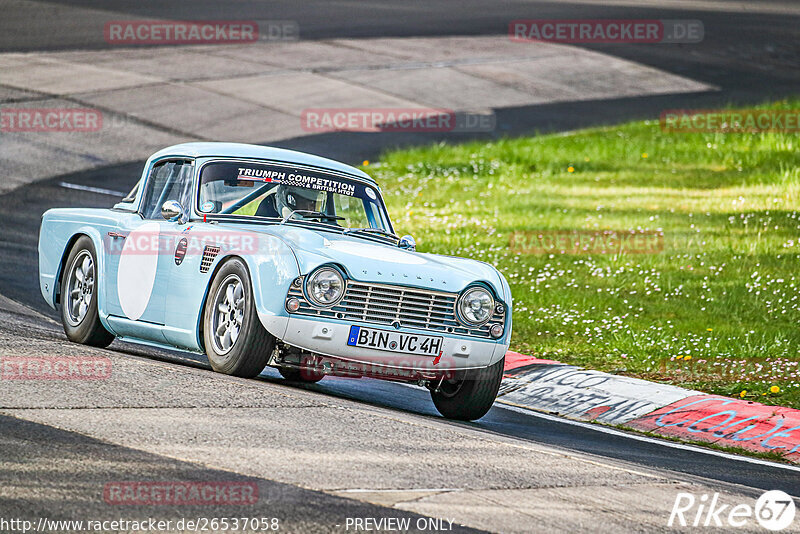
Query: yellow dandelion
point(366, 162)
point(710, 329)
point(774, 389)
point(688, 357)
point(743, 393)
point(678, 357)
point(644, 155)
point(570, 169)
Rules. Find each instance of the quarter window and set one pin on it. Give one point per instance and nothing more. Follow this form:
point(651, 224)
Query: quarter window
point(169, 180)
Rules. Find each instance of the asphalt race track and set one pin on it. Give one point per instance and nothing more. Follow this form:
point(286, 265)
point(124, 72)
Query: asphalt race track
point(351, 448)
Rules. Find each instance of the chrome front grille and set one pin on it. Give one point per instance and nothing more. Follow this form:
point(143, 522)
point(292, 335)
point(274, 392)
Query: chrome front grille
point(383, 304)
point(209, 255)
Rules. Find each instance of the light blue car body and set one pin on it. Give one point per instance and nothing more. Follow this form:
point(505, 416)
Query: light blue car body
point(282, 252)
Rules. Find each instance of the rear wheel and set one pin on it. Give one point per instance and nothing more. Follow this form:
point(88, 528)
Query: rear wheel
point(235, 340)
point(469, 394)
point(79, 297)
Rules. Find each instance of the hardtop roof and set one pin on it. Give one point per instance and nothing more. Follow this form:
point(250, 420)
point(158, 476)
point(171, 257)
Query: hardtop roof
point(242, 150)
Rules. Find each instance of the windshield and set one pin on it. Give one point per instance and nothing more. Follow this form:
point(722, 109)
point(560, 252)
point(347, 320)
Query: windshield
point(278, 191)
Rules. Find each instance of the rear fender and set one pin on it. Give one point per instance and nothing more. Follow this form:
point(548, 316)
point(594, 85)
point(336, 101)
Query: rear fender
point(50, 285)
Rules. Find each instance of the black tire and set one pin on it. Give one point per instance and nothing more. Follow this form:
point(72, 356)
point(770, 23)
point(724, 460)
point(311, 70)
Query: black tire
point(249, 352)
point(83, 326)
point(470, 394)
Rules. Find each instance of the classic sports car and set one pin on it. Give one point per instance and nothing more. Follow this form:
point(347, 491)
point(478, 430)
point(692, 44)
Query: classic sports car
point(259, 256)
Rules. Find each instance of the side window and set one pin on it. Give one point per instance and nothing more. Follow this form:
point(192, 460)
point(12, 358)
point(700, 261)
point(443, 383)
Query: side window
point(171, 180)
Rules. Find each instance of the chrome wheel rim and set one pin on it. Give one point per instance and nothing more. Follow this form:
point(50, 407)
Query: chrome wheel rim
point(228, 312)
point(80, 287)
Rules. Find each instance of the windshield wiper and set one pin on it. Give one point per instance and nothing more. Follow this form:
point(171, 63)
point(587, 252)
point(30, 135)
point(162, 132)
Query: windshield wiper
point(309, 214)
point(380, 231)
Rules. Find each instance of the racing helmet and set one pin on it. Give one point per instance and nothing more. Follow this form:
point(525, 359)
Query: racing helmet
point(290, 197)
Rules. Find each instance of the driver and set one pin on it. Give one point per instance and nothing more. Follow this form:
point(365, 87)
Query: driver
point(289, 198)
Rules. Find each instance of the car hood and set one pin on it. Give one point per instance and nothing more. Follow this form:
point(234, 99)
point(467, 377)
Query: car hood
point(370, 261)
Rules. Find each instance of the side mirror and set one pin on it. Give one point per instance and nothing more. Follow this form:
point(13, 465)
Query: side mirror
point(171, 210)
point(407, 242)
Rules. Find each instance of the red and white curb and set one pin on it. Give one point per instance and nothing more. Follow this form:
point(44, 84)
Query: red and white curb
point(551, 387)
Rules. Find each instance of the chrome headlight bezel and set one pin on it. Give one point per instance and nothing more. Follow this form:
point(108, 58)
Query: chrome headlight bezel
point(473, 290)
point(308, 290)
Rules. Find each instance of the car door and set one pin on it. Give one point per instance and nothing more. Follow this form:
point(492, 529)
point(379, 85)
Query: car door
point(142, 249)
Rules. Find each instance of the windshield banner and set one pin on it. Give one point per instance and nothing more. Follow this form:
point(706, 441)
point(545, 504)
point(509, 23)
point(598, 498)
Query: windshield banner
point(297, 179)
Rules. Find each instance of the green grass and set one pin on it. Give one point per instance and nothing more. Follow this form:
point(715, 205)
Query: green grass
point(716, 309)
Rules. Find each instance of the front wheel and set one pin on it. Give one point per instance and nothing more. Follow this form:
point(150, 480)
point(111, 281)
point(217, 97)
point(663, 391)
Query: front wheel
point(79, 297)
point(470, 394)
point(235, 340)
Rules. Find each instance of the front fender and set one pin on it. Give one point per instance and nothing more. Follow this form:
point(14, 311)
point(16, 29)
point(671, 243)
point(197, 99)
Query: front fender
point(272, 266)
point(272, 274)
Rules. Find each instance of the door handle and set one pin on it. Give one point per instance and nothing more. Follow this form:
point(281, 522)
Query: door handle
point(116, 235)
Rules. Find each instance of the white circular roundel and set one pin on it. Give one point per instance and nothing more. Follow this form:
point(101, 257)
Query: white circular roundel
point(137, 269)
point(775, 510)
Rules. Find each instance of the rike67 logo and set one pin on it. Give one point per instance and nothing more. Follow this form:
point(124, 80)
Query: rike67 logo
point(774, 510)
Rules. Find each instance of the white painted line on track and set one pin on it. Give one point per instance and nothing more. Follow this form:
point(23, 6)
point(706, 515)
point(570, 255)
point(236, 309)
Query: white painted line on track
point(646, 439)
point(98, 190)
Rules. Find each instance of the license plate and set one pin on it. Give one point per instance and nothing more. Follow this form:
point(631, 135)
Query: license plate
point(388, 340)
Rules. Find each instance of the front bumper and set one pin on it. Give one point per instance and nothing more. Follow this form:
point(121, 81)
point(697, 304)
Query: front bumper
point(329, 338)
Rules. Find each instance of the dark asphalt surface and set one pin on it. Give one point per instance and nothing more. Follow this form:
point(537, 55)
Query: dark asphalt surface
point(750, 56)
point(86, 466)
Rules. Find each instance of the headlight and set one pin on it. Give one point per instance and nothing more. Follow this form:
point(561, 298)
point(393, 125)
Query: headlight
point(475, 306)
point(325, 287)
